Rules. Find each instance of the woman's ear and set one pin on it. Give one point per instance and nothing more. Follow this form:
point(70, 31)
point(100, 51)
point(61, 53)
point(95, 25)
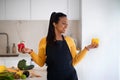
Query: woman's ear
point(54, 24)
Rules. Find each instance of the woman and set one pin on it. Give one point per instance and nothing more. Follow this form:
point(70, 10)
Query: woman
point(58, 51)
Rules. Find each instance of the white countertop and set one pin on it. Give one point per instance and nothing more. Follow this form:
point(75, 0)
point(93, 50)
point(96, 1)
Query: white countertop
point(41, 72)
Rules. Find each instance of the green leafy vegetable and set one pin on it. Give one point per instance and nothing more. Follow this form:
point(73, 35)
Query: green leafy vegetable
point(22, 65)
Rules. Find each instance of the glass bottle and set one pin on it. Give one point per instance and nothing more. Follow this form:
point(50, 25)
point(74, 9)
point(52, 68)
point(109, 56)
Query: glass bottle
point(14, 48)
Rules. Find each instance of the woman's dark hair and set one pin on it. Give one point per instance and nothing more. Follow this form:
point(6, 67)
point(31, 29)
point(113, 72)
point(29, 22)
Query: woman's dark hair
point(55, 17)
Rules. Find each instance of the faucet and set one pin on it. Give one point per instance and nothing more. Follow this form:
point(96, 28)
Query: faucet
point(7, 47)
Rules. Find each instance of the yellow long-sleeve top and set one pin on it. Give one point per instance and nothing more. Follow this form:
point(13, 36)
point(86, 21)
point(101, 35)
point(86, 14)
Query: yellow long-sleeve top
point(40, 58)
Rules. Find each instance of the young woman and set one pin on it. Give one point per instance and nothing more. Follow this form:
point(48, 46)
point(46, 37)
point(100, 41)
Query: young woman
point(58, 51)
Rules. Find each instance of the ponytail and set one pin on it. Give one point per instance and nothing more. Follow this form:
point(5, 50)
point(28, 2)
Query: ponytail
point(51, 30)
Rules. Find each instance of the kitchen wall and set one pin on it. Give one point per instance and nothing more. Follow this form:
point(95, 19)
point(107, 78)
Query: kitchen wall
point(101, 19)
point(31, 31)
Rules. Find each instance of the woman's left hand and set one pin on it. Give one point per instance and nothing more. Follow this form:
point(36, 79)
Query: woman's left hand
point(92, 46)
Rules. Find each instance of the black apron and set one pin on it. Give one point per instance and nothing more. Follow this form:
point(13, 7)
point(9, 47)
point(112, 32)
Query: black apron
point(59, 62)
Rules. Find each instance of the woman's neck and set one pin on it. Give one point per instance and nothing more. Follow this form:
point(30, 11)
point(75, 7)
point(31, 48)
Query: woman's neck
point(58, 36)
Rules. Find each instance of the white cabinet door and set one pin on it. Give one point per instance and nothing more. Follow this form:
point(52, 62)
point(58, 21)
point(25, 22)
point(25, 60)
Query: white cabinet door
point(2, 61)
point(17, 9)
point(38, 9)
point(13, 61)
point(74, 9)
point(2, 9)
point(42, 9)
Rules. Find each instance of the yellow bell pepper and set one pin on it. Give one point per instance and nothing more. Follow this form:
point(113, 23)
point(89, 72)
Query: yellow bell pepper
point(95, 41)
point(2, 68)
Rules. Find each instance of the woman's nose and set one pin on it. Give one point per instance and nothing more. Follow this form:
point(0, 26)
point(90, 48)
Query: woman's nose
point(66, 25)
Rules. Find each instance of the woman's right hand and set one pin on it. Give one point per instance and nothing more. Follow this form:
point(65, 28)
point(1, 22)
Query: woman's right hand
point(25, 50)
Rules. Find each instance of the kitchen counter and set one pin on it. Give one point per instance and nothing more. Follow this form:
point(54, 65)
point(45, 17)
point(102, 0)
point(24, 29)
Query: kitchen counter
point(14, 60)
point(41, 72)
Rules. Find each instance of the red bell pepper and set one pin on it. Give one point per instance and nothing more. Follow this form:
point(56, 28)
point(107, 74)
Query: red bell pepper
point(21, 46)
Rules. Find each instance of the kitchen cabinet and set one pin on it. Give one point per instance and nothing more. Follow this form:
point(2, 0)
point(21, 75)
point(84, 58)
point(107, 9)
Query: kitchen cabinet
point(38, 9)
point(2, 9)
point(13, 61)
point(17, 9)
point(74, 9)
point(42, 9)
point(2, 61)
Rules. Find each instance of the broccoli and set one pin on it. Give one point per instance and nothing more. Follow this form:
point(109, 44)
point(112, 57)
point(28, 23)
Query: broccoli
point(22, 65)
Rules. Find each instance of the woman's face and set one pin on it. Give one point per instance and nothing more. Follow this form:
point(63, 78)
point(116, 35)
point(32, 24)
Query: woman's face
point(62, 24)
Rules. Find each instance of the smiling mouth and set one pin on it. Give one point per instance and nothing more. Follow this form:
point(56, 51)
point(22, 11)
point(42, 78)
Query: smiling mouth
point(64, 30)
